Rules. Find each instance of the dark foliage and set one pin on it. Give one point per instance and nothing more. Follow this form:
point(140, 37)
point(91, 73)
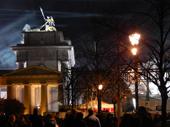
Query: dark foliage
point(11, 106)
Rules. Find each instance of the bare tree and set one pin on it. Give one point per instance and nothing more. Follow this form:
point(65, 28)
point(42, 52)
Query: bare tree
point(153, 24)
point(156, 42)
point(104, 66)
point(72, 87)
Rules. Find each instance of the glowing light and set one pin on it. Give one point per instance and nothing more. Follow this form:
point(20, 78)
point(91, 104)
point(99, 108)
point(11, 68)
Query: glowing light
point(3, 94)
point(134, 51)
point(134, 39)
point(100, 87)
point(25, 64)
point(134, 102)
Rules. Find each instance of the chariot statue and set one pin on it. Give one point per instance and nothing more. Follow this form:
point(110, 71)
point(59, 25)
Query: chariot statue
point(49, 24)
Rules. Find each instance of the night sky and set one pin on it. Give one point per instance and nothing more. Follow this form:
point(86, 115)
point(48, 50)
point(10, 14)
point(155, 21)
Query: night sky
point(72, 17)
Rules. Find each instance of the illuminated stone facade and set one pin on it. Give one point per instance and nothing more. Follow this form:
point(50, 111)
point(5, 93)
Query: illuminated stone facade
point(41, 59)
point(46, 49)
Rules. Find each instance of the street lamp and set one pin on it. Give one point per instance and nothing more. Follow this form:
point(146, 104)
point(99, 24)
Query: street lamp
point(100, 86)
point(134, 39)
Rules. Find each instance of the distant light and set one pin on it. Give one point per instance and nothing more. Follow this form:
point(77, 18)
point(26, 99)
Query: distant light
point(100, 87)
point(134, 51)
point(25, 64)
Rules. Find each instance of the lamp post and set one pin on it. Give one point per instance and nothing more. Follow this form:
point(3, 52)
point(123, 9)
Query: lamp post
point(134, 39)
point(100, 86)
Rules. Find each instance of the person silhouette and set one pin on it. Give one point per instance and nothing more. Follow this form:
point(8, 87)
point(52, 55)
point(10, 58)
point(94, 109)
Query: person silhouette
point(91, 120)
point(142, 120)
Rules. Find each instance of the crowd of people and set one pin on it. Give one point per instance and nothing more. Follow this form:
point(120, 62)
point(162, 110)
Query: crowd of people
point(76, 119)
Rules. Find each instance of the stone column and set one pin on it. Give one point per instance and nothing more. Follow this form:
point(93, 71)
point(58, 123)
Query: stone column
point(10, 91)
point(43, 98)
point(51, 98)
point(32, 98)
point(48, 98)
point(27, 98)
point(16, 92)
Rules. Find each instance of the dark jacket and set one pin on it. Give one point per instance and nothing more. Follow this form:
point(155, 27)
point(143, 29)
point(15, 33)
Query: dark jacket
point(92, 121)
point(79, 123)
point(69, 121)
point(36, 120)
point(145, 122)
point(51, 124)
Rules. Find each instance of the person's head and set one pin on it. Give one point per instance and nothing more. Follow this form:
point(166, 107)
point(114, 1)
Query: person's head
point(12, 118)
point(157, 116)
point(57, 114)
point(90, 112)
point(128, 118)
point(36, 110)
point(66, 115)
point(51, 118)
point(73, 112)
point(79, 116)
point(141, 111)
point(21, 119)
point(109, 116)
point(26, 118)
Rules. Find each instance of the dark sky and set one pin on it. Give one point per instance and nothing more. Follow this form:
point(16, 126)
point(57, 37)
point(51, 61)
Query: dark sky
point(72, 17)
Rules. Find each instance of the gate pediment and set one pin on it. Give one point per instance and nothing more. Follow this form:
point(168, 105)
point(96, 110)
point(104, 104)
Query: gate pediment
point(33, 70)
point(33, 74)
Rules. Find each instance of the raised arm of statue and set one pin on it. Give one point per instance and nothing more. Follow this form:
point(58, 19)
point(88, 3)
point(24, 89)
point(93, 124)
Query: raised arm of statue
point(49, 22)
point(42, 13)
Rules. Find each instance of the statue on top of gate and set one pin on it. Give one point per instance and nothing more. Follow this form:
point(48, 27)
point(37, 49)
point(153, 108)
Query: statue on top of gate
point(49, 24)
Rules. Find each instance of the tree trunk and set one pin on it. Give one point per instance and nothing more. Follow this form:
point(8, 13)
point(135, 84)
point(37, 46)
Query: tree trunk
point(114, 109)
point(99, 103)
point(164, 101)
point(118, 112)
